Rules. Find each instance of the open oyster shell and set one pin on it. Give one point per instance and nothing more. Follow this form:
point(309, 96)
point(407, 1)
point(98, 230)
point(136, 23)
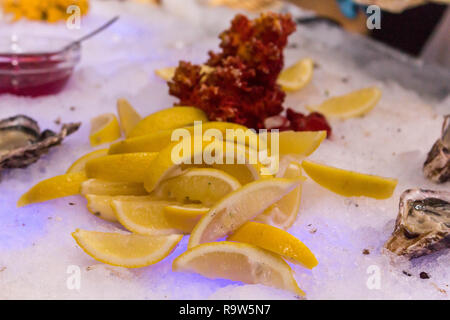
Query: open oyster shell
point(16, 132)
point(423, 223)
point(22, 143)
point(437, 166)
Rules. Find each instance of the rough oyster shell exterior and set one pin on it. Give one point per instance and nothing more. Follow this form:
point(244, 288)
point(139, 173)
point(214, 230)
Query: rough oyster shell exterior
point(26, 155)
point(422, 225)
point(437, 165)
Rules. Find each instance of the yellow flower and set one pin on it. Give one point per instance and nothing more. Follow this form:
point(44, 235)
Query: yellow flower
point(50, 11)
point(54, 15)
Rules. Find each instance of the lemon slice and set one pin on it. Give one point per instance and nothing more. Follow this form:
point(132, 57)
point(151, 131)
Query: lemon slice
point(80, 164)
point(168, 72)
point(170, 118)
point(125, 250)
point(57, 187)
point(128, 117)
point(156, 141)
point(243, 173)
point(153, 142)
point(284, 212)
point(104, 128)
point(205, 185)
point(239, 207)
point(127, 167)
point(349, 183)
point(101, 206)
point(144, 217)
point(297, 143)
point(301, 143)
point(184, 217)
point(297, 76)
point(164, 166)
point(112, 188)
point(354, 104)
point(277, 241)
point(238, 262)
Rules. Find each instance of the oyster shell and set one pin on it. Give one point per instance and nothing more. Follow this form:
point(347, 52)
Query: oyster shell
point(423, 223)
point(437, 166)
point(22, 143)
point(20, 121)
point(17, 132)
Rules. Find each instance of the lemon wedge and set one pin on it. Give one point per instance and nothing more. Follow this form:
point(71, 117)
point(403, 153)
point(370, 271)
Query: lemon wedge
point(349, 183)
point(296, 76)
point(156, 141)
point(354, 104)
point(277, 241)
point(125, 250)
point(170, 118)
point(144, 217)
point(100, 205)
point(184, 217)
point(112, 188)
point(239, 207)
point(205, 185)
point(80, 164)
point(152, 142)
point(57, 187)
point(284, 212)
point(238, 262)
point(164, 166)
point(128, 116)
point(104, 128)
point(300, 143)
point(243, 173)
point(127, 167)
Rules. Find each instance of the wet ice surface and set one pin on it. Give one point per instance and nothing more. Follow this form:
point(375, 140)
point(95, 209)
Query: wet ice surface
point(36, 248)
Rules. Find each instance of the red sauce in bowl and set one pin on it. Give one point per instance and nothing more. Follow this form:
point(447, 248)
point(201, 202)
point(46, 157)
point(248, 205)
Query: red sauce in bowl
point(37, 74)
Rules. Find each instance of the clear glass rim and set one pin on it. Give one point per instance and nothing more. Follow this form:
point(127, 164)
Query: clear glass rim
point(41, 43)
point(64, 59)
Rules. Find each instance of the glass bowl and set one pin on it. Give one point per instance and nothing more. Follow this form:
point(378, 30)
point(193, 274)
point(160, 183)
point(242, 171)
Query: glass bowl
point(35, 65)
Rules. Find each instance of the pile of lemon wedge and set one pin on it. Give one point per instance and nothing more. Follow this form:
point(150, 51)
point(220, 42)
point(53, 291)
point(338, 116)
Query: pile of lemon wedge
point(137, 183)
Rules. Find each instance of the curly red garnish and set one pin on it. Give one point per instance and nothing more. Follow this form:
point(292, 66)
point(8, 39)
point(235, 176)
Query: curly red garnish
point(241, 85)
point(315, 121)
point(297, 121)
